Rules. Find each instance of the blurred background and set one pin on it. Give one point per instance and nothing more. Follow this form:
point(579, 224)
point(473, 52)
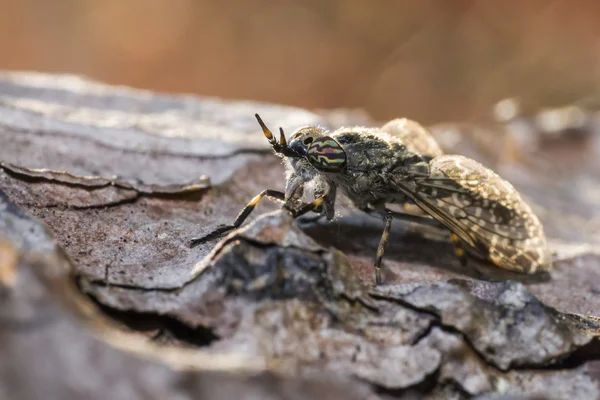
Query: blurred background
point(427, 60)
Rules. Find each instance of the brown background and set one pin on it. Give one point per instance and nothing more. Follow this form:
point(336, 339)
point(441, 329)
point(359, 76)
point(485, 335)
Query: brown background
point(428, 60)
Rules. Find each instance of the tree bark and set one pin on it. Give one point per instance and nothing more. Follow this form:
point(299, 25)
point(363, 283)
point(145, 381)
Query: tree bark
point(102, 188)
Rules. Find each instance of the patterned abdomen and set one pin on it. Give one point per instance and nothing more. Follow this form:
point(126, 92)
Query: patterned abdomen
point(486, 212)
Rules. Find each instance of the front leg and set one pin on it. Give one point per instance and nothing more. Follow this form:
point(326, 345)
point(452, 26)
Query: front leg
point(314, 206)
point(329, 191)
point(327, 207)
point(294, 190)
point(274, 194)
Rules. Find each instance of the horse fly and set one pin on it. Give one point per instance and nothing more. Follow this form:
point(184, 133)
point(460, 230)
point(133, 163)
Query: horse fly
point(401, 163)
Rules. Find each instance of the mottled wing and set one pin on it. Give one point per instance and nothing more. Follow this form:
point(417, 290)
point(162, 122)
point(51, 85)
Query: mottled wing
point(416, 138)
point(484, 210)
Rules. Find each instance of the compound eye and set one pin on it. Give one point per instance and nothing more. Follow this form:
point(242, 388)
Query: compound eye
point(327, 155)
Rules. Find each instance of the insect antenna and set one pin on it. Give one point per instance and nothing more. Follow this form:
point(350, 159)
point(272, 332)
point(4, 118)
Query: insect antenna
point(280, 147)
point(282, 140)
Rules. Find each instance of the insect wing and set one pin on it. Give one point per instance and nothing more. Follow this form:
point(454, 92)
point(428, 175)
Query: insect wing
point(484, 210)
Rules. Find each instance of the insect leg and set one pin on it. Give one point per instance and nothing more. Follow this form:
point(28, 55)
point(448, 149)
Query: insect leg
point(274, 194)
point(330, 202)
point(329, 191)
point(294, 189)
point(405, 217)
point(314, 205)
point(459, 251)
point(381, 248)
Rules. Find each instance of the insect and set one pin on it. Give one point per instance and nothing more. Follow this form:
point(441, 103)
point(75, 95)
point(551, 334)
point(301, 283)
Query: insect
point(401, 163)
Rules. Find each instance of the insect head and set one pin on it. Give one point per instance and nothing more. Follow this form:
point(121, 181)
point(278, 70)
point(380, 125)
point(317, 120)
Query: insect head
point(322, 151)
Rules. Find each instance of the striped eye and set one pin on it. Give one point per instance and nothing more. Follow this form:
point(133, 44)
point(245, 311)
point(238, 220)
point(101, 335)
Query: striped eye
point(326, 154)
